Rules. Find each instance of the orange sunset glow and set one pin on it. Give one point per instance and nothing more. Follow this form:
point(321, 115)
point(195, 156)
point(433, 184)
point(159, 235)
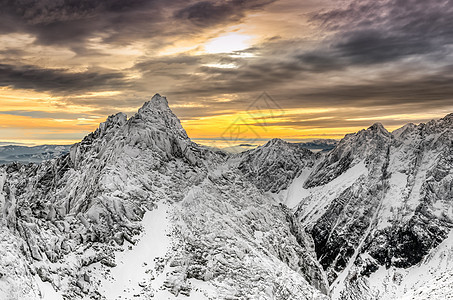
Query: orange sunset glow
point(328, 72)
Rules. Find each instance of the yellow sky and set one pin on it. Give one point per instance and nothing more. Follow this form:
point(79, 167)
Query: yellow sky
point(56, 90)
point(249, 123)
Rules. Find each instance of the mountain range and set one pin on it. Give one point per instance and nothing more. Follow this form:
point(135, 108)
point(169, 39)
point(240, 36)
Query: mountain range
point(34, 154)
point(136, 210)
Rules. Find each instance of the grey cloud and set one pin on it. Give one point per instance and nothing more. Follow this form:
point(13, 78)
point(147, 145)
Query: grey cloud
point(72, 22)
point(350, 117)
point(59, 81)
point(206, 13)
point(375, 47)
point(292, 80)
point(365, 35)
point(45, 114)
point(433, 90)
point(291, 83)
point(380, 31)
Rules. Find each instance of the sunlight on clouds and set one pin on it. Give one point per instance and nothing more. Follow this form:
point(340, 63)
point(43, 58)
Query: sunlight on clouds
point(221, 66)
point(98, 94)
point(16, 127)
point(14, 40)
point(12, 99)
point(221, 43)
point(202, 127)
point(114, 56)
point(24, 122)
point(187, 104)
point(55, 57)
point(228, 43)
point(174, 50)
point(17, 99)
point(398, 117)
point(185, 45)
point(38, 131)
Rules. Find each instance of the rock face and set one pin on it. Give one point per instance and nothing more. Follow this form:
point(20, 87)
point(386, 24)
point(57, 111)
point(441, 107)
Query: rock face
point(136, 209)
point(76, 215)
point(273, 166)
point(392, 214)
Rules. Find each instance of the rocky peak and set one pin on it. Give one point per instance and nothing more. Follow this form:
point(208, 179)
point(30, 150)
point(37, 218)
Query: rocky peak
point(154, 126)
point(273, 166)
point(448, 117)
point(403, 131)
point(437, 126)
point(379, 129)
point(157, 114)
point(157, 103)
point(361, 143)
point(376, 126)
point(281, 148)
point(447, 120)
point(275, 141)
point(276, 144)
point(365, 145)
point(113, 121)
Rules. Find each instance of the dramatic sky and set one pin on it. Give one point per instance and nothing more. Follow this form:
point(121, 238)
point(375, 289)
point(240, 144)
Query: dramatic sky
point(330, 67)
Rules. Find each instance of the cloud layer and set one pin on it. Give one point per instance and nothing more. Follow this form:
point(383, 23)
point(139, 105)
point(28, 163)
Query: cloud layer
point(362, 61)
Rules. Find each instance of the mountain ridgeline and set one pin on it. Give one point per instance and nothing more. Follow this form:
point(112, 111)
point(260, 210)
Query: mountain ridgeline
point(369, 219)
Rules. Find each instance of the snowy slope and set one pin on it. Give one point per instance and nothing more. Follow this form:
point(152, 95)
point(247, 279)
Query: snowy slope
point(115, 217)
point(80, 209)
point(274, 165)
point(137, 210)
point(379, 201)
point(240, 240)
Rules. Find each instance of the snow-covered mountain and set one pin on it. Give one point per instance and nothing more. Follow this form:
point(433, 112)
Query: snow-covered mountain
point(137, 210)
point(35, 154)
point(381, 203)
point(320, 145)
point(273, 166)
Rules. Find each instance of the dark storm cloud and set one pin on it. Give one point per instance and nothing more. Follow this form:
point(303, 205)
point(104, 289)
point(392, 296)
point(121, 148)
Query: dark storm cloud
point(389, 89)
point(430, 90)
point(206, 13)
point(291, 81)
point(363, 35)
point(380, 31)
point(375, 47)
point(71, 22)
point(58, 81)
point(319, 62)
